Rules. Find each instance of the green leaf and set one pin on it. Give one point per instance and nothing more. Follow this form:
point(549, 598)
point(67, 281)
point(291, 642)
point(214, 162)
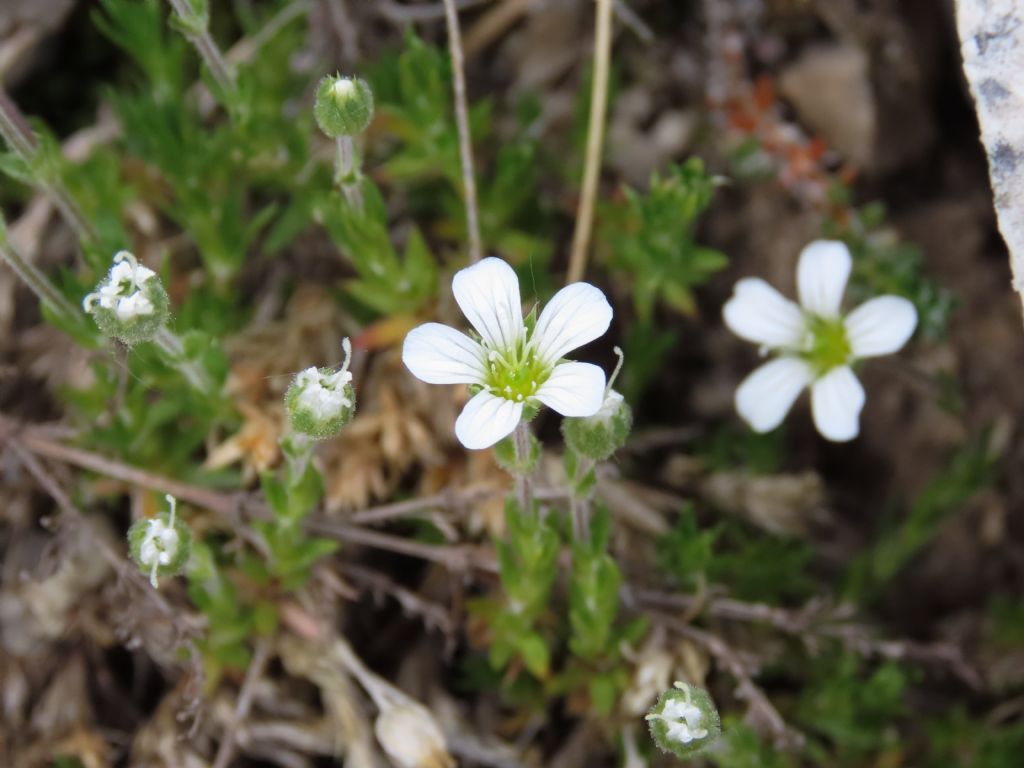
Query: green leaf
point(535, 654)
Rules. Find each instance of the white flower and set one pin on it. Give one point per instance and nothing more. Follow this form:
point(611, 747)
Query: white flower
point(122, 291)
point(511, 365)
point(815, 342)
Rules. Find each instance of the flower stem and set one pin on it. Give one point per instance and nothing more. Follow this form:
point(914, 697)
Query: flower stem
point(595, 142)
point(524, 486)
point(19, 138)
point(174, 352)
point(207, 48)
point(347, 174)
point(37, 281)
point(465, 139)
point(579, 504)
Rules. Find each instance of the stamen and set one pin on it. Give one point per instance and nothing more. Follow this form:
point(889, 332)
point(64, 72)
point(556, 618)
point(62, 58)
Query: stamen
point(346, 347)
point(618, 367)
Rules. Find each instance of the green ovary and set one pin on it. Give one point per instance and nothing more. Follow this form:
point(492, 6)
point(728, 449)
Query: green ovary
point(515, 376)
point(829, 346)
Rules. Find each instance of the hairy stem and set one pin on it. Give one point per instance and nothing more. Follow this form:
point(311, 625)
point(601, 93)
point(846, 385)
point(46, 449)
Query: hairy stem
point(524, 486)
point(37, 281)
point(207, 48)
point(465, 139)
point(595, 142)
point(579, 504)
point(347, 174)
point(18, 135)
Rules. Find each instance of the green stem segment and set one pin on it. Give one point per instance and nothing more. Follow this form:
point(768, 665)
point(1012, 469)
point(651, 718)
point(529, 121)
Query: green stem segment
point(347, 174)
point(19, 138)
point(199, 36)
point(579, 503)
point(37, 281)
point(524, 486)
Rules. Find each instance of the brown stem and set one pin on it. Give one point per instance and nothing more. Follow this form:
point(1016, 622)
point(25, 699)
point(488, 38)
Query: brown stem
point(465, 138)
point(595, 142)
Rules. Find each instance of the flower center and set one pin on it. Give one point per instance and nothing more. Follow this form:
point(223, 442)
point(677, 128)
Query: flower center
point(515, 374)
point(828, 346)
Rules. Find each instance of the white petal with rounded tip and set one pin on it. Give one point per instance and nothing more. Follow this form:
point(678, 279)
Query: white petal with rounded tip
point(573, 389)
point(576, 315)
point(880, 326)
point(766, 395)
point(437, 354)
point(488, 295)
point(821, 276)
point(836, 400)
point(486, 419)
point(758, 313)
point(120, 272)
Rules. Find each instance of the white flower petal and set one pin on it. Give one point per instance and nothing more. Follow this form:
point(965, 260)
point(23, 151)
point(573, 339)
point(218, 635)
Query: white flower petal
point(142, 274)
point(766, 395)
point(437, 354)
point(121, 271)
point(821, 276)
point(133, 306)
point(836, 400)
point(486, 419)
point(758, 313)
point(488, 294)
point(576, 315)
point(880, 326)
point(574, 389)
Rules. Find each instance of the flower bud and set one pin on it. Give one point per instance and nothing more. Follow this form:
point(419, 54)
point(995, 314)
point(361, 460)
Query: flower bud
point(344, 106)
point(160, 545)
point(130, 303)
point(320, 401)
point(599, 436)
point(411, 737)
point(684, 721)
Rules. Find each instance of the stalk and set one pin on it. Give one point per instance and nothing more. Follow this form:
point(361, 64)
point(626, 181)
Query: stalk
point(37, 281)
point(19, 138)
point(347, 174)
point(595, 142)
point(524, 485)
point(204, 44)
point(465, 139)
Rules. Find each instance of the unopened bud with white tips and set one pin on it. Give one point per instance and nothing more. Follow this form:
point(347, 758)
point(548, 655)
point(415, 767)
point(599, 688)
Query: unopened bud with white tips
point(130, 303)
point(343, 106)
point(320, 401)
point(684, 721)
point(161, 545)
point(599, 436)
point(411, 737)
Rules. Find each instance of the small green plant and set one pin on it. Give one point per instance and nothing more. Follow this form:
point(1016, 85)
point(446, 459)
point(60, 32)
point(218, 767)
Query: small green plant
point(651, 239)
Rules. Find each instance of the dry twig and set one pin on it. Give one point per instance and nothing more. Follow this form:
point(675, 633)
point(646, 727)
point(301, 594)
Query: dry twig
point(244, 703)
point(595, 142)
point(465, 138)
